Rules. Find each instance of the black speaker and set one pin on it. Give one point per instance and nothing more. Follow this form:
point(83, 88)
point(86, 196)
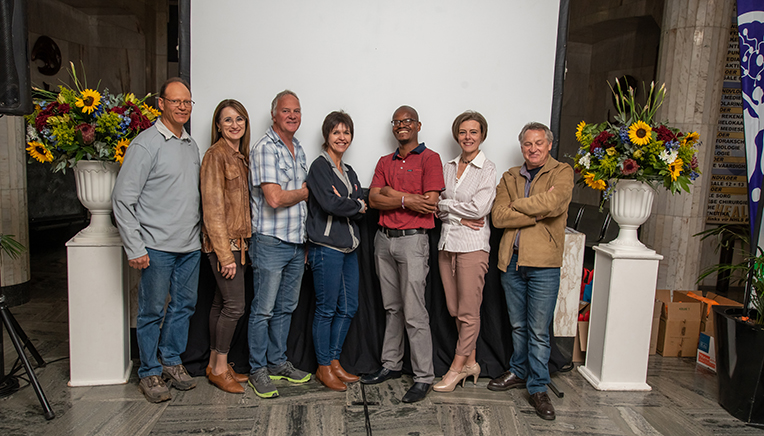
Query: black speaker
point(15, 93)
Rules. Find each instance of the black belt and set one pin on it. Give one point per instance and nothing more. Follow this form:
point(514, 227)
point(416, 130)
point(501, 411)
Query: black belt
point(394, 233)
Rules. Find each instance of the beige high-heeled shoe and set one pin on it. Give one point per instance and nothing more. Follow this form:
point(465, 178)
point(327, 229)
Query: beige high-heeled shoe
point(442, 386)
point(473, 371)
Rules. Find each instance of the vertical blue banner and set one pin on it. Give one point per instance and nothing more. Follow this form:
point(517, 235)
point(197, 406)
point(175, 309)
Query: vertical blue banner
point(750, 24)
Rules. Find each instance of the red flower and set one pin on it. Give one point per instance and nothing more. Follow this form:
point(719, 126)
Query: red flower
point(41, 121)
point(118, 110)
point(602, 141)
point(51, 110)
point(694, 163)
point(88, 133)
point(664, 134)
point(630, 166)
point(139, 122)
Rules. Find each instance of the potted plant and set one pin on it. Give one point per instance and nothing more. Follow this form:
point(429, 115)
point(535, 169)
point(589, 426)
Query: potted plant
point(740, 334)
point(628, 158)
point(87, 130)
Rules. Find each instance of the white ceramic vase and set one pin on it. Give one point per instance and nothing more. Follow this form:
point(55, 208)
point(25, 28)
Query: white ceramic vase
point(630, 207)
point(95, 181)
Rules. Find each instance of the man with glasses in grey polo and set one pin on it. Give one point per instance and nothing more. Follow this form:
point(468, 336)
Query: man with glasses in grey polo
point(405, 188)
point(156, 203)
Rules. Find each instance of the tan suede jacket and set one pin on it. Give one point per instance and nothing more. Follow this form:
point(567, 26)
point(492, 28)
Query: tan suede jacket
point(541, 242)
point(225, 202)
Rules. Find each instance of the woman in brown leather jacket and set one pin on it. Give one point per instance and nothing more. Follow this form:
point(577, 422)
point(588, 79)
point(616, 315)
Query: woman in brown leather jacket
point(226, 229)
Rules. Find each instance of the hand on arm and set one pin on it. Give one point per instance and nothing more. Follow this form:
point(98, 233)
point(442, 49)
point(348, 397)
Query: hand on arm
point(552, 203)
point(277, 197)
point(387, 198)
point(475, 224)
point(503, 214)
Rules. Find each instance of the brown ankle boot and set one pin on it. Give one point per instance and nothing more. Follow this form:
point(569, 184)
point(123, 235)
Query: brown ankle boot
point(327, 377)
point(341, 373)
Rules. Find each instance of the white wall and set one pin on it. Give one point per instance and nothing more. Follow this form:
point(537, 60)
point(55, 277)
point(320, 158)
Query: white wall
point(369, 57)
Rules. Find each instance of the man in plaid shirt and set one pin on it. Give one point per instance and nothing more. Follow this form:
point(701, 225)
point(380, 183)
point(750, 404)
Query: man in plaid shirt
point(278, 196)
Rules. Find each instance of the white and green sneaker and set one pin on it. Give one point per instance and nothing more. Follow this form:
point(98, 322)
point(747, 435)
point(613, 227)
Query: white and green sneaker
point(262, 384)
point(289, 372)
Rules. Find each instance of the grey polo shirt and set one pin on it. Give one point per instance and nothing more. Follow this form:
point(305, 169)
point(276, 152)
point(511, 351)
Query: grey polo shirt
point(156, 197)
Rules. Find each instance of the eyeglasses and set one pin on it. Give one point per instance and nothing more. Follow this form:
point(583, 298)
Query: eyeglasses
point(406, 122)
point(179, 102)
point(230, 121)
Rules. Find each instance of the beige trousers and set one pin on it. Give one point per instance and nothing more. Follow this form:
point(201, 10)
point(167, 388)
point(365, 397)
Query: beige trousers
point(463, 277)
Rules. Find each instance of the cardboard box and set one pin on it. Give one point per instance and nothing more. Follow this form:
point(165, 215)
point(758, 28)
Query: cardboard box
point(579, 345)
point(679, 325)
point(706, 352)
point(707, 313)
point(706, 355)
point(582, 335)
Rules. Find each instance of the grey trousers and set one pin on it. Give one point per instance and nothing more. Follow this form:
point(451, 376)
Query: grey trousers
point(402, 266)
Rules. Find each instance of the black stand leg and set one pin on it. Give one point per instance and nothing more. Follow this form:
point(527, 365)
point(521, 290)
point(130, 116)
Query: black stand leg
point(19, 339)
point(556, 390)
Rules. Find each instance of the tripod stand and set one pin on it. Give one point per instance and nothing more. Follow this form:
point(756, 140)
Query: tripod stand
point(20, 340)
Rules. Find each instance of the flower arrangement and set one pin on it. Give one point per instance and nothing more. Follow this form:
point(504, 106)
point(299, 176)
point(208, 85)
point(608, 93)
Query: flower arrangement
point(82, 123)
point(636, 147)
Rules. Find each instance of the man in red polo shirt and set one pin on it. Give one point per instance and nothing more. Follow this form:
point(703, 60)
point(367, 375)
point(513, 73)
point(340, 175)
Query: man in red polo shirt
point(405, 189)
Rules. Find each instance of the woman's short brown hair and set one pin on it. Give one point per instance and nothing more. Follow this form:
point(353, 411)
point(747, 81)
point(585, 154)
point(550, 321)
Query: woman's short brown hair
point(470, 116)
point(333, 120)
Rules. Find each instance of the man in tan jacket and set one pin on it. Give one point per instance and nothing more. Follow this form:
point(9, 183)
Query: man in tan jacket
point(531, 206)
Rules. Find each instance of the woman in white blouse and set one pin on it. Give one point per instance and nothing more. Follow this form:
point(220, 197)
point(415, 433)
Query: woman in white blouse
point(464, 208)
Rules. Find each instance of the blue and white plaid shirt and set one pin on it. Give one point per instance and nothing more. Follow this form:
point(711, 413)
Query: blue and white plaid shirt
point(271, 162)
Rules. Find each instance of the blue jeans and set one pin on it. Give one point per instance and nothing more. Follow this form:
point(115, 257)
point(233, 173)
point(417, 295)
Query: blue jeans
point(531, 296)
point(335, 277)
point(178, 275)
point(277, 269)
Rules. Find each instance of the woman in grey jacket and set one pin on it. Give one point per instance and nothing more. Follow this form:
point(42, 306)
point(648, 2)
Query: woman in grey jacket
point(335, 202)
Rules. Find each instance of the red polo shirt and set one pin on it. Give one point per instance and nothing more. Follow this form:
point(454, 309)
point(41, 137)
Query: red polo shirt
point(421, 171)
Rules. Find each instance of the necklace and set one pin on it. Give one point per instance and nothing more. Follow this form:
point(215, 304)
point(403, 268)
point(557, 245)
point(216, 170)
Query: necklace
point(466, 162)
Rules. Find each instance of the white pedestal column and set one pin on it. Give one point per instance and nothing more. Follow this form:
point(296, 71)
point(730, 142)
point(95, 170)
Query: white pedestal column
point(99, 330)
point(623, 297)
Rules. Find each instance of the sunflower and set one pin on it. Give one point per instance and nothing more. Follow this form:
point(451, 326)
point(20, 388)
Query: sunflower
point(691, 138)
point(120, 149)
point(89, 101)
point(580, 131)
point(38, 151)
point(675, 168)
point(640, 133)
point(149, 111)
point(594, 184)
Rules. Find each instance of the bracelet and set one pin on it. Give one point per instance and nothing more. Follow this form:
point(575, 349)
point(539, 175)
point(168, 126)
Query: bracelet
point(403, 205)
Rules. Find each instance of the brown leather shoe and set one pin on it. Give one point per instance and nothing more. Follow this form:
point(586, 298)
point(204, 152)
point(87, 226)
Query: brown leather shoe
point(508, 380)
point(329, 379)
point(543, 405)
point(226, 382)
point(341, 373)
point(240, 378)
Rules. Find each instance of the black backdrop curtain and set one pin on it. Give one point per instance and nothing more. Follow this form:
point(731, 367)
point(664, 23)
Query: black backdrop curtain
point(363, 346)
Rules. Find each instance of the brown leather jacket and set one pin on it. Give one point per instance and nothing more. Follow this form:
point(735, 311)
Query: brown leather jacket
point(225, 202)
point(541, 242)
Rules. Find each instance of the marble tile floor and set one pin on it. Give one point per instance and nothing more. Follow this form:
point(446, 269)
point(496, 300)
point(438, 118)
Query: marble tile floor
point(682, 402)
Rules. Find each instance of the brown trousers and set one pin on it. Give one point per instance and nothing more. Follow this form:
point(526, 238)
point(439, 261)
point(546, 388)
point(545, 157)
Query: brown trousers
point(463, 277)
point(227, 306)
